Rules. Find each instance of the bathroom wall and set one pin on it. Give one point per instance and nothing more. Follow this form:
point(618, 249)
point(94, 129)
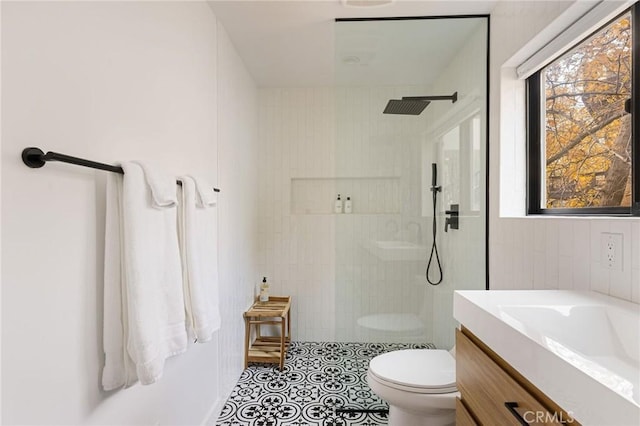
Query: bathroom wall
point(157, 81)
point(238, 223)
point(296, 252)
point(307, 251)
point(540, 253)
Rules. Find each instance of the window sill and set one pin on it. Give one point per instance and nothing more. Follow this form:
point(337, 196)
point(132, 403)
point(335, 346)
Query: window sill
point(573, 218)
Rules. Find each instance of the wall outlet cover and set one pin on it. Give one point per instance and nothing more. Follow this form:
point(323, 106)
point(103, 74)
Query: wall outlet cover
point(611, 251)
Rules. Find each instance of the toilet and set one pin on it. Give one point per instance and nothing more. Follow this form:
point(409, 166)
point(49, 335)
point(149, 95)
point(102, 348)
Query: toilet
point(418, 384)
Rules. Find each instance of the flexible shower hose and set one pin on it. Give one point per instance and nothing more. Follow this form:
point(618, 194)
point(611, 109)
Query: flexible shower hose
point(434, 247)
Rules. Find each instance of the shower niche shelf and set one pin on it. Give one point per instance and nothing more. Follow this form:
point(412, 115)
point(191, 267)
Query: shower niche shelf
point(369, 194)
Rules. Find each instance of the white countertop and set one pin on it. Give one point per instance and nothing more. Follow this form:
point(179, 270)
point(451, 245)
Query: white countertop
point(582, 349)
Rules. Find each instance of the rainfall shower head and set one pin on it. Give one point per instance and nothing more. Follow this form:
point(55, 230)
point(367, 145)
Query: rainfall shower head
point(398, 106)
point(414, 105)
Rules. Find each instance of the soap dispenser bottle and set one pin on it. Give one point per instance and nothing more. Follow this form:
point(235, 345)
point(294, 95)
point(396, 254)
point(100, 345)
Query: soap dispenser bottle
point(264, 291)
point(338, 205)
point(348, 208)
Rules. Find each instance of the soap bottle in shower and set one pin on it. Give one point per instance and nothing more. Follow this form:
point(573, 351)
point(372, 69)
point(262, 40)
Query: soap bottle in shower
point(337, 208)
point(264, 291)
point(348, 208)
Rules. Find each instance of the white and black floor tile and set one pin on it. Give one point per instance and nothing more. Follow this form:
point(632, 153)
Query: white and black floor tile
point(318, 378)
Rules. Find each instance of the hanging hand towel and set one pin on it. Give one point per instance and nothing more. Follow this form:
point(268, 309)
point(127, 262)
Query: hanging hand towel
point(152, 319)
point(198, 246)
point(205, 195)
point(119, 369)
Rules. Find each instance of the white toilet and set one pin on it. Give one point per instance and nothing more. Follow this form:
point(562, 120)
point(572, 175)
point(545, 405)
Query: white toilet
point(418, 384)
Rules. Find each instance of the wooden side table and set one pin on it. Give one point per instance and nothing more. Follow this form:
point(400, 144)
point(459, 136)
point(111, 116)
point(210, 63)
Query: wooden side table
point(269, 349)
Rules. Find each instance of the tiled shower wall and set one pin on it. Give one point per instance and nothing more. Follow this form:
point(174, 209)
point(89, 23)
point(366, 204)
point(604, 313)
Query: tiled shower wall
point(316, 143)
point(380, 294)
point(296, 252)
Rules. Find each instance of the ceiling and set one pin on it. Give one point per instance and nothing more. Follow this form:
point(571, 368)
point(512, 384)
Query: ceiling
point(297, 43)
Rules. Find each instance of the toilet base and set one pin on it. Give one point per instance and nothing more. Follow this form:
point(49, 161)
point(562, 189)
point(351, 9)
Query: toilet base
point(435, 417)
point(410, 408)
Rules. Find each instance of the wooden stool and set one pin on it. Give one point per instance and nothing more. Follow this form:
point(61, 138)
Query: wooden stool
point(270, 349)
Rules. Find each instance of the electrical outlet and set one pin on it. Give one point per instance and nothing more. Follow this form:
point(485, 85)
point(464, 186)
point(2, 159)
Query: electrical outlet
point(611, 251)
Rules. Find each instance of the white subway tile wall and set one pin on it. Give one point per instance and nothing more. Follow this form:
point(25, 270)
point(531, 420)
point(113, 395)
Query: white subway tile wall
point(565, 253)
point(310, 153)
point(316, 143)
point(635, 261)
point(324, 259)
point(296, 250)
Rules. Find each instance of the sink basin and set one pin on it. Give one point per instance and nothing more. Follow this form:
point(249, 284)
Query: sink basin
point(602, 341)
point(396, 250)
point(582, 349)
point(592, 331)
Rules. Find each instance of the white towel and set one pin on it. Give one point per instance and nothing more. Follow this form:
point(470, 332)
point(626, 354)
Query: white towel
point(119, 369)
point(163, 186)
point(146, 306)
point(206, 196)
point(198, 246)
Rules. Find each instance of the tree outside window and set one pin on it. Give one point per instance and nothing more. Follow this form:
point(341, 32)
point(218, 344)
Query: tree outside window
point(585, 132)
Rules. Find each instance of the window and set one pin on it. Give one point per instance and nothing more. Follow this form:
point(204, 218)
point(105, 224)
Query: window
point(582, 145)
point(460, 159)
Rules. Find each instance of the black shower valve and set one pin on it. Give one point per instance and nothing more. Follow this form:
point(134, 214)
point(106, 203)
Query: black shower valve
point(453, 220)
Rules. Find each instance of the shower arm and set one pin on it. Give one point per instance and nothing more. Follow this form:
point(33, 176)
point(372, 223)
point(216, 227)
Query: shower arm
point(414, 105)
point(453, 98)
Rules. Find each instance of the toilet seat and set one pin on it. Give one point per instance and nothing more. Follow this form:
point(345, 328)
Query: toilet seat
point(425, 371)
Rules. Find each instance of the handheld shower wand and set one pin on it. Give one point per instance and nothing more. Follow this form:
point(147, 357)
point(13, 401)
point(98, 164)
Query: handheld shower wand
point(434, 177)
point(434, 248)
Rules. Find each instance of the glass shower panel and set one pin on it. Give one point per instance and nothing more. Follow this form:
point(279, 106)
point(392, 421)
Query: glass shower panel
point(449, 145)
point(383, 163)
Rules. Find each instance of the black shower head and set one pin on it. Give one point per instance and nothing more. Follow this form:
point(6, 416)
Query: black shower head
point(414, 105)
point(398, 106)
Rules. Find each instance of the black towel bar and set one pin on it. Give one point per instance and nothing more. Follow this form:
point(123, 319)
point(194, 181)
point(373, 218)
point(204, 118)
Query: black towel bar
point(36, 158)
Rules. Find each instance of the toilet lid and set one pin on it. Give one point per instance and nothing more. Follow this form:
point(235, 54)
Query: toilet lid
point(416, 370)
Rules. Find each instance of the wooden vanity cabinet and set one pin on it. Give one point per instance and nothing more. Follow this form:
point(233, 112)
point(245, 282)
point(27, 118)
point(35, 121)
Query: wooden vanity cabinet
point(463, 416)
point(494, 393)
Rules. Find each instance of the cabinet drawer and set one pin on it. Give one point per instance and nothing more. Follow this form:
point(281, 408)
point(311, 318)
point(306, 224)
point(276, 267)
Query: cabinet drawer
point(463, 417)
point(486, 388)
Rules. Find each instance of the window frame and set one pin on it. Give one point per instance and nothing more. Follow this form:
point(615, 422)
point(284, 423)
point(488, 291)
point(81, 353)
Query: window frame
point(534, 126)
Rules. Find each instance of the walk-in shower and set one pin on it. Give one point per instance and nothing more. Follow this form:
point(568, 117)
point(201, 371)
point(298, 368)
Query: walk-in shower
point(385, 160)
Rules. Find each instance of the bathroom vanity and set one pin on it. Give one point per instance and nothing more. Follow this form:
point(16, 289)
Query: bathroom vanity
point(547, 357)
point(493, 392)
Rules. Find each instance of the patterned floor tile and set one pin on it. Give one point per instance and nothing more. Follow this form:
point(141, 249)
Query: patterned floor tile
point(318, 378)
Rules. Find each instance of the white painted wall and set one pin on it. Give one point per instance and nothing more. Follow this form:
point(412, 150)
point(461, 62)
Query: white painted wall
point(540, 253)
point(114, 81)
point(238, 226)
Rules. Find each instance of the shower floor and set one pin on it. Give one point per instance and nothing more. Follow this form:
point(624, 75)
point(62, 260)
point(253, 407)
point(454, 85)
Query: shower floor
point(318, 378)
